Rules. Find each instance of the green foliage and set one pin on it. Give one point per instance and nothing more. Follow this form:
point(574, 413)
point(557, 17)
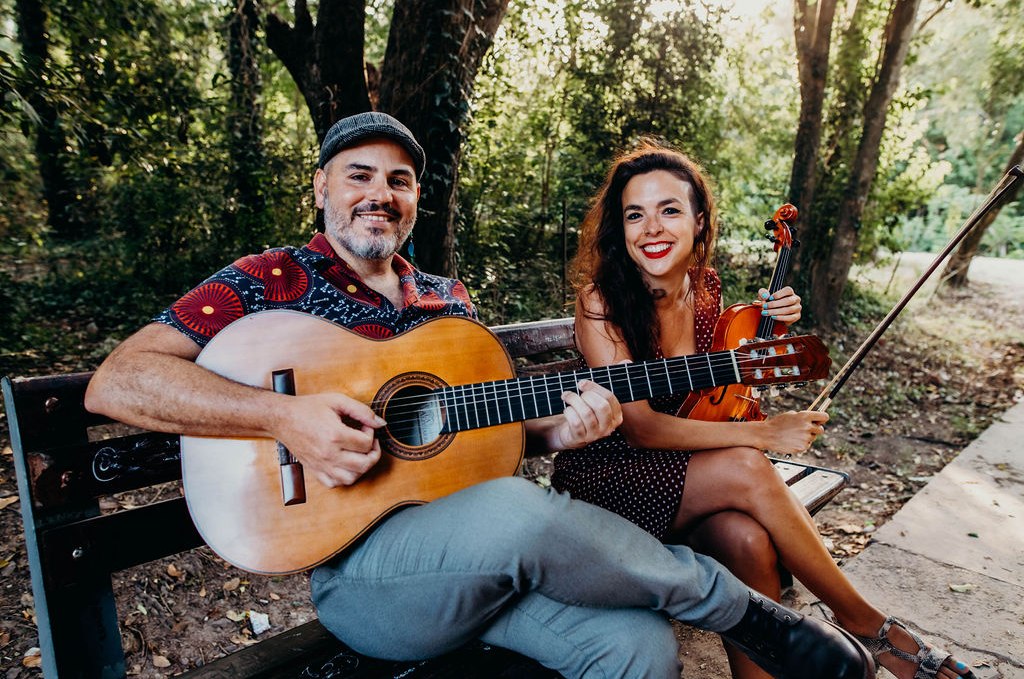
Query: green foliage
point(566, 87)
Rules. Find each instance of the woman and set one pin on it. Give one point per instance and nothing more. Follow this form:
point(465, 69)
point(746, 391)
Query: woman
point(646, 292)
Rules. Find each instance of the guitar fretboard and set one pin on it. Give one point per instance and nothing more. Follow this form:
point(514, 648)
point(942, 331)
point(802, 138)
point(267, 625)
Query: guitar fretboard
point(487, 404)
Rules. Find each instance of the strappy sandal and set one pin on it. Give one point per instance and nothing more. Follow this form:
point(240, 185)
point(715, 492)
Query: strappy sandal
point(930, 659)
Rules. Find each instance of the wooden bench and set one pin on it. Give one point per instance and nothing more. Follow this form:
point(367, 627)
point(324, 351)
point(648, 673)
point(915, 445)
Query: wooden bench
point(65, 467)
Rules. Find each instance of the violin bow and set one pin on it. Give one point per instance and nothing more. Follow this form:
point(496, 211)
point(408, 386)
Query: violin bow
point(824, 399)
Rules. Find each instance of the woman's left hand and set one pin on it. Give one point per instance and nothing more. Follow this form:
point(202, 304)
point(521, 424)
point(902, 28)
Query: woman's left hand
point(783, 306)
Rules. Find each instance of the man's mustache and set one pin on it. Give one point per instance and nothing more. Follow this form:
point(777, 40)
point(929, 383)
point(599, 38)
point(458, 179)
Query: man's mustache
point(375, 207)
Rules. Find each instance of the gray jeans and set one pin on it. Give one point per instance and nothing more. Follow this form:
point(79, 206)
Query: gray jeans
point(576, 587)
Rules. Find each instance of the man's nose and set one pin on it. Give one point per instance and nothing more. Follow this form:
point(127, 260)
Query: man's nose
point(379, 191)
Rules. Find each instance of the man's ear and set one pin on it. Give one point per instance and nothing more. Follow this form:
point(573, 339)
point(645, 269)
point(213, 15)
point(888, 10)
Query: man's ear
point(319, 187)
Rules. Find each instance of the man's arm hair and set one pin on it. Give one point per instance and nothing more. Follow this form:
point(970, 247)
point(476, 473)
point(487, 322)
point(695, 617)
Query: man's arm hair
point(151, 380)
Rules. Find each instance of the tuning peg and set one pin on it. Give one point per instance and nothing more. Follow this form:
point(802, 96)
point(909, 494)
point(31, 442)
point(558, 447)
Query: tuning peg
point(771, 238)
point(770, 225)
point(796, 243)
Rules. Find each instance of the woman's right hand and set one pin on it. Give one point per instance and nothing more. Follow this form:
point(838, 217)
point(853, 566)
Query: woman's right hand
point(794, 432)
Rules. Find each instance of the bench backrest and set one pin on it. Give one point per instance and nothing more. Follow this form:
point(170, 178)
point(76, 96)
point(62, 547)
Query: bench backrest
point(66, 459)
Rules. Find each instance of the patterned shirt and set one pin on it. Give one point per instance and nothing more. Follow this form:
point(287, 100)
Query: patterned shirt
point(315, 280)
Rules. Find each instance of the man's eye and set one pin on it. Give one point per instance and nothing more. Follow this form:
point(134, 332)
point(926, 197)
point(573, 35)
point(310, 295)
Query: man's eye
point(399, 182)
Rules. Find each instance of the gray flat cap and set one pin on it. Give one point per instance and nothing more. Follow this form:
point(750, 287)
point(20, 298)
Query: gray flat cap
point(349, 131)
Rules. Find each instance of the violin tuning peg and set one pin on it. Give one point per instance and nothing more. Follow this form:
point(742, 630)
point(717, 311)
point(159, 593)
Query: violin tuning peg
point(770, 225)
point(771, 238)
point(796, 243)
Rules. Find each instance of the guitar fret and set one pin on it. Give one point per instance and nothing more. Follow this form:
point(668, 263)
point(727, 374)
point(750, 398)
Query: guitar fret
point(689, 376)
point(508, 400)
point(487, 402)
point(735, 367)
point(647, 376)
point(711, 370)
point(629, 382)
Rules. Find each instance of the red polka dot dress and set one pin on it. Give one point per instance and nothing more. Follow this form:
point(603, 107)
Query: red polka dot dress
point(642, 485)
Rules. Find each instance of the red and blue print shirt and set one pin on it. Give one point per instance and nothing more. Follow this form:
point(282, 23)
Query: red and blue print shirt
point(315, 280)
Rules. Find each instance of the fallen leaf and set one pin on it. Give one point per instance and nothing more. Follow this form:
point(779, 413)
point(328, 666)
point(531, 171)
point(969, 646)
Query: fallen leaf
point(141, 609)
point(232, 584)
point(174, 572)
point(243, 640)
point(962, 589)
point(33, 657)
point(8, 501)
point(275, 597)
point(235, 616)
point(160, 661)
point(202, 591)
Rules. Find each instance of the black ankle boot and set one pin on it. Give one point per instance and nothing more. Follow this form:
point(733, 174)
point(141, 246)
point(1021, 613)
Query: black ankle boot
point(789, 645)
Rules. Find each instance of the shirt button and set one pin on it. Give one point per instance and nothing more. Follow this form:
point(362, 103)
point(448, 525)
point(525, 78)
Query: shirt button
point(351, 288)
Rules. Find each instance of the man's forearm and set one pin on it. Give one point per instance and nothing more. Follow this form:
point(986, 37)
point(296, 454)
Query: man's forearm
point(163, 389)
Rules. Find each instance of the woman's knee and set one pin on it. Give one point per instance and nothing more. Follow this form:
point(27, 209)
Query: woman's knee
point(738, 541)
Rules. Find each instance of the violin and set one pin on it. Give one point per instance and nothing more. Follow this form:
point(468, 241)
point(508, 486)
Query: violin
point(742, 323)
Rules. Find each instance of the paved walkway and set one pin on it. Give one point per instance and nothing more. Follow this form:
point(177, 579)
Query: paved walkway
point(952, 559)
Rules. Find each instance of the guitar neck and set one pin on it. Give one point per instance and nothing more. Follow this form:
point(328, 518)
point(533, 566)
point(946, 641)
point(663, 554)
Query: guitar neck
point(486, 404)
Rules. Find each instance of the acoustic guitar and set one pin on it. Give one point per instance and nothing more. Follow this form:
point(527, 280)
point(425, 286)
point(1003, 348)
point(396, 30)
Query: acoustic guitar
point(454, 410)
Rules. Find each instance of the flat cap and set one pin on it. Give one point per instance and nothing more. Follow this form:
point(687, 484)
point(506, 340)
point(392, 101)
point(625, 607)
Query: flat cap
point(354, 129)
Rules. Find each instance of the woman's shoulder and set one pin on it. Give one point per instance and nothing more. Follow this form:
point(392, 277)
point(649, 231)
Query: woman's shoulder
point(590, 301)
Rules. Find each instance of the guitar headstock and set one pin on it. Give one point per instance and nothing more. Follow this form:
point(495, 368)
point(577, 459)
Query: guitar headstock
point(799, 358)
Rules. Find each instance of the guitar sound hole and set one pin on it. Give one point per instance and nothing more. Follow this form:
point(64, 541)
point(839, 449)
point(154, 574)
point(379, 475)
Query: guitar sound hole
point(414, 416)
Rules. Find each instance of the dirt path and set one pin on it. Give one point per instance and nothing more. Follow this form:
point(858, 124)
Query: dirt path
point(949, 365)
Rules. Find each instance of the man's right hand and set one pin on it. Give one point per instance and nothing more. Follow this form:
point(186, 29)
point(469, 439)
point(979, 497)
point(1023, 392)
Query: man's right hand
point(331, 434)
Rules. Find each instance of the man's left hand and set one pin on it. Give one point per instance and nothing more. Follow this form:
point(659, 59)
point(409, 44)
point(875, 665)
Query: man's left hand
point(590, 415)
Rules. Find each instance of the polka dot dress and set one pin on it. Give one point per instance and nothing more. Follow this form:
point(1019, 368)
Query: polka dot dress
point(642, 485)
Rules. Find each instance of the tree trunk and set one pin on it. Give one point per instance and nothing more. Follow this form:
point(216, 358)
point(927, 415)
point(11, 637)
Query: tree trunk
point(812, 29)
point(50, 141)
point(245, 215)
point(433, 54)
point(829, 274)
point(955, 273)
point(325, 60)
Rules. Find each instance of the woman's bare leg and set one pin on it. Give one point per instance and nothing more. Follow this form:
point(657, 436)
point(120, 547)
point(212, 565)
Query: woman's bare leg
point(744, 480)
point(743, 546)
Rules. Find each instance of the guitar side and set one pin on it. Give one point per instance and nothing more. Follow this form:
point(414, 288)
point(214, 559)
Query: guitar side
point(233, 485)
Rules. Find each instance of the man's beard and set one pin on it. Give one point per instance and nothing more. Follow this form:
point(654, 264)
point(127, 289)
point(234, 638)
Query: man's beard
point(380, 244)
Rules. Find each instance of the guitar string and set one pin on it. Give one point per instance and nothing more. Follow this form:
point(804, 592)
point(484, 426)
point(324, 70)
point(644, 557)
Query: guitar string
point(406, 420)
point(717, 361)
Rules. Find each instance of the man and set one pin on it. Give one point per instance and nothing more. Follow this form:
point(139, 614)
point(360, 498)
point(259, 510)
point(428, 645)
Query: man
point(578, 588)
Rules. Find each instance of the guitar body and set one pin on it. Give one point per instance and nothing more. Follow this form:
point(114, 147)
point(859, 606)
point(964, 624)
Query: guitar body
point(233, 486)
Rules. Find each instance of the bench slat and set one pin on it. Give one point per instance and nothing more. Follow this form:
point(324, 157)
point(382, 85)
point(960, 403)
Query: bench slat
point(537, 337)
point(311, 652)
point(77, 551)
point(816, 489)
